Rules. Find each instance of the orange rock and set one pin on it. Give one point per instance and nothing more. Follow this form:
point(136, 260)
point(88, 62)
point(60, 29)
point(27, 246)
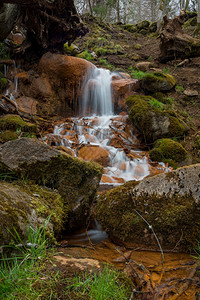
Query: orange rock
point(139, 171)
point(118, 180)
point(94, 153)
point(122, 88)
point(107, 179)
point(27, 105)
point(65, 150)
point(122, 166)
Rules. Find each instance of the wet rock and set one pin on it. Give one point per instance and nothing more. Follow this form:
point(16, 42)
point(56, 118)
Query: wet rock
point(27, 105)
point(169, 202)
point(122, 88)
point(8, 16)
point(75, 180)
point(28, 204)
point(94, 153)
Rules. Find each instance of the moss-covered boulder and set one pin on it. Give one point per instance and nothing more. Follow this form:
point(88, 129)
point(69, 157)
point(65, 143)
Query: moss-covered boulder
point(70, 50)
point(169, 202)
point(3, 82)
point(167, 149)
point(75, 180)
point(15, 122)
point(151, 119)
point(22, 205)
point(158, 82)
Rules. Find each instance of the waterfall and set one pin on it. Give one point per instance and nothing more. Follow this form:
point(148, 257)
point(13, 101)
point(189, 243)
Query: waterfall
point(97, 94)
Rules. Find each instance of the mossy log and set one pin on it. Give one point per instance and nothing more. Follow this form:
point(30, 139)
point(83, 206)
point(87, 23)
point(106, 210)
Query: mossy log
point(174, 43)
point(49, 24)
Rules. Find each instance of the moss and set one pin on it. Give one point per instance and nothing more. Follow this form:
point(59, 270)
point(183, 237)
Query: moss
point(152, 119)
point(130, 28)
point(153, 27)
point(46, 202)
point(71, 50)
point(177, 128)
point(3, 84)
point(168, 149)
point(142, 25)
point(22, 204)
point(8, 135)
point(158, 82)
point(15, 122)
point(137, 46)
point(171, 217)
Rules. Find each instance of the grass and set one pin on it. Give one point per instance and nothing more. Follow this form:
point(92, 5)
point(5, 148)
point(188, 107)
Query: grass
point(105, 284)
point(179, 89)
point(157, 104)
point(19, 272)
point(137, 74)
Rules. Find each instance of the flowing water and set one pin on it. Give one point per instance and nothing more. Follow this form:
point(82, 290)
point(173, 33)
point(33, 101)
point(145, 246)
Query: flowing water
point(99, 127)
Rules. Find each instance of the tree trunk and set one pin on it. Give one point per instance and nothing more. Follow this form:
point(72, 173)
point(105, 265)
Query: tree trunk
point(49, 24)
point(175, 43)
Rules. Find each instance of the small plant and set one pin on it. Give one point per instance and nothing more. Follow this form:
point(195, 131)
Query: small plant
point(86, 55)
point(103, 285)
point(166, 70)
point(179, 89)
point(157, 104)
point(19, 272)
point(136, 73)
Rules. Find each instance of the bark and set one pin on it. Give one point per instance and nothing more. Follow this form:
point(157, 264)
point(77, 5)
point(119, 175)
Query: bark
point(49, 24)
point(174, 43)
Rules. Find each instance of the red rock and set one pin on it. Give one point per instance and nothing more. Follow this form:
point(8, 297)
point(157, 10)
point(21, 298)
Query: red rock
point(122, 88)
point(94, 153)
point(27, 105)
point(107, 179)
point(139, 171)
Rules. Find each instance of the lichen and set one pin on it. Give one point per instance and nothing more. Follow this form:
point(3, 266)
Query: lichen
point(8, 135)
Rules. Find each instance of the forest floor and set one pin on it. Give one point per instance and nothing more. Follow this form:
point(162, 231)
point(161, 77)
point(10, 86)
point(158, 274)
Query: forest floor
point(120, 50)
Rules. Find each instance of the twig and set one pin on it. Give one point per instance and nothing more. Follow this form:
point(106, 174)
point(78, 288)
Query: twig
point(157, 240)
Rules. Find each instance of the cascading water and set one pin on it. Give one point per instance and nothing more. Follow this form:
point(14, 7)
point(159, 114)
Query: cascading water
point(97, 95)
point(102, 129)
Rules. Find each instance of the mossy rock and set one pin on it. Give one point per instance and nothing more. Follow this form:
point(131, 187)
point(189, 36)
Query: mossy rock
point(8, 135)
point(153, 27)
point(168, 149)
point(143, 31)
point(151, 119)
point(130, 28)
point(71, 50)
point(3, 84)
point(158, 82)
point(76, 180)
point(143, 25)
point(169, 202)
point(15, 122)
point(23, 205)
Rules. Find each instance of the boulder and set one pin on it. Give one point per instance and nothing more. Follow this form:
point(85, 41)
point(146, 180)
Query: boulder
point(122, 88)
point(169, 202)
point(8, 16)
point(94, 153)
point(75, 180)
point(26, 105)
point(158, 82)
point(144, 65)
point(23, 205)
point(152, 120)
point(167, 149)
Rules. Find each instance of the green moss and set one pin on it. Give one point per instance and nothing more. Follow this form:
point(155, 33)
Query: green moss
point(177, 128)
point(71, 50)
point(153, 27)
point(168, 149)
point(3, 84)
point(130, 28)
point(15, 122)
point(171, 217)
point(158, 82)
point(22, 204)
point(8, 135)
point(142, 25)
point(137, 46)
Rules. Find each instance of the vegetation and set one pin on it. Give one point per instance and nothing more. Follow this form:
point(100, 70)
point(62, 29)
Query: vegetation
point(104, 285)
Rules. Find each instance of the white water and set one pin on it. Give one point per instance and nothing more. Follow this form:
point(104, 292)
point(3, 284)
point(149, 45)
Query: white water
point(97, 95)
point(12, 90)
point(102, 128)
